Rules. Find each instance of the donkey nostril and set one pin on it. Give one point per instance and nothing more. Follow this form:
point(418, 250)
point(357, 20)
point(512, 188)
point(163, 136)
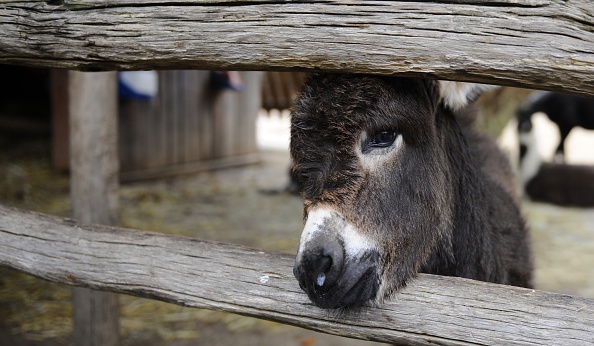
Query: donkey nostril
point(319, 264)
point(320, 280)
point(324, 267)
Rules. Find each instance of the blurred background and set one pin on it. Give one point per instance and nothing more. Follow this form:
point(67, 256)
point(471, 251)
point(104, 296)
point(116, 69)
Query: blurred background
point(205, 154)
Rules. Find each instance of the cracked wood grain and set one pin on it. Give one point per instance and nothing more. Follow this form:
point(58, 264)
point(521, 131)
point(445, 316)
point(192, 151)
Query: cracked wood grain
point(431, 310)
point(529, 43)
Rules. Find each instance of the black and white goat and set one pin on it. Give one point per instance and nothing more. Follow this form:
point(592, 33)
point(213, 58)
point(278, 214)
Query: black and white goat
point(565, 110)
point(552, 182)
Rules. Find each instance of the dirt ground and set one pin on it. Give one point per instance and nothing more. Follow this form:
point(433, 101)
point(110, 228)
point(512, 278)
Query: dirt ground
point(238, 205)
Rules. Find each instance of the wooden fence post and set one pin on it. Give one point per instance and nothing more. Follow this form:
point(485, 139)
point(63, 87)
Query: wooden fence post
point(94, 188)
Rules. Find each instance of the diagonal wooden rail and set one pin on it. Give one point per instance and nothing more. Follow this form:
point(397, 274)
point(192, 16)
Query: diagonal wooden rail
point(432, 310)
point(540, 44)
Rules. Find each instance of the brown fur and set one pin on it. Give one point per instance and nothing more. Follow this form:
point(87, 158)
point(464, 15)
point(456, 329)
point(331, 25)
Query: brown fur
point(436, 205)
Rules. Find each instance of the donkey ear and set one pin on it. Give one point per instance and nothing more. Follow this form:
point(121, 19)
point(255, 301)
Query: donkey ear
point(456, 95)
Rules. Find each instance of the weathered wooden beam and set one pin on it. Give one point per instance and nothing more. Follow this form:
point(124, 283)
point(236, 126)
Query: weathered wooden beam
point(94, 189)
point(538, 44)
point(431, 310)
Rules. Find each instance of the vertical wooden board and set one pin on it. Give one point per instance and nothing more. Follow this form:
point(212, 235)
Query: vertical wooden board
point(242, 115)
point(139, 135)
point(207, 117)
point(239, 116)
point(217, 123)
point(94, 170)
point(200, 103)
point(207, 122)
point(177, 116)
point(165, 97)
point(159, 112)
point(165, 90)
point(180, 116)
point(157, 138)
point(59, 104)
point(145, 128)
point(126, 135)
point(267, 97)
point(231, 119)
point(202, 112)
point(184, 115)
point(173, 117)
point(130, 138)
point(250, 101)
point(298, 79)
point(276, 80)
point(279, 89)
point(224, 109)
point(193, 99)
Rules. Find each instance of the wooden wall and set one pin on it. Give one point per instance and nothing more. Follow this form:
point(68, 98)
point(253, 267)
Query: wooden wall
point(188, 127)
point(280, 88)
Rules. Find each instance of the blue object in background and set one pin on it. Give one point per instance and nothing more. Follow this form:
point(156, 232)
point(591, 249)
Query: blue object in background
point(134, 85)
point(227, 80)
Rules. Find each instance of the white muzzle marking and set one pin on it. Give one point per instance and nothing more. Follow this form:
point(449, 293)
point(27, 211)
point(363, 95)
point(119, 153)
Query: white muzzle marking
point(355, 244)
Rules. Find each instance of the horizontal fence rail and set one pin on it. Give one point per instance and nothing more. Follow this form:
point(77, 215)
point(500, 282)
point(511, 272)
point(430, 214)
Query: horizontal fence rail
point(432, 310)
point(539, 44)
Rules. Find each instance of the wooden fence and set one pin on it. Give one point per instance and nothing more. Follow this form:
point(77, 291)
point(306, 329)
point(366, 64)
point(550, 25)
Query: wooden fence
point(540, 44)
point(530, 43)
point(431, 310)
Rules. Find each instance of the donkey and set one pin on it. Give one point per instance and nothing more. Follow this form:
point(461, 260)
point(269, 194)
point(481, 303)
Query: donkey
point(565, 110)
point(394, 182)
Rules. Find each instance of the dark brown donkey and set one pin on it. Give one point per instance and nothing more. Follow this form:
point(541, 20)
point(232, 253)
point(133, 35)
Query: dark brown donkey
point(396, 182)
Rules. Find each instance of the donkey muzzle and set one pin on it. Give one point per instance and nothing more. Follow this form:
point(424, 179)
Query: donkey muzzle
point(332, 271)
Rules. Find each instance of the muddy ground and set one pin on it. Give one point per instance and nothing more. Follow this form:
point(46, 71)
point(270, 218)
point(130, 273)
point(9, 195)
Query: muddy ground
point(232, 205)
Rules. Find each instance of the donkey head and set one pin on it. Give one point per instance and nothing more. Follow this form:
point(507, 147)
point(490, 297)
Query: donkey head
point(375, 175)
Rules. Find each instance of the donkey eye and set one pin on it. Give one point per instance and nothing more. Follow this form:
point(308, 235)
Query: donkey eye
point(379, 142)
point(382, 139)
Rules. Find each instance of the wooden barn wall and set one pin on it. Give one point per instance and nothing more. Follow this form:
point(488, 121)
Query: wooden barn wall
point(280, 88)
point(189, 126)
